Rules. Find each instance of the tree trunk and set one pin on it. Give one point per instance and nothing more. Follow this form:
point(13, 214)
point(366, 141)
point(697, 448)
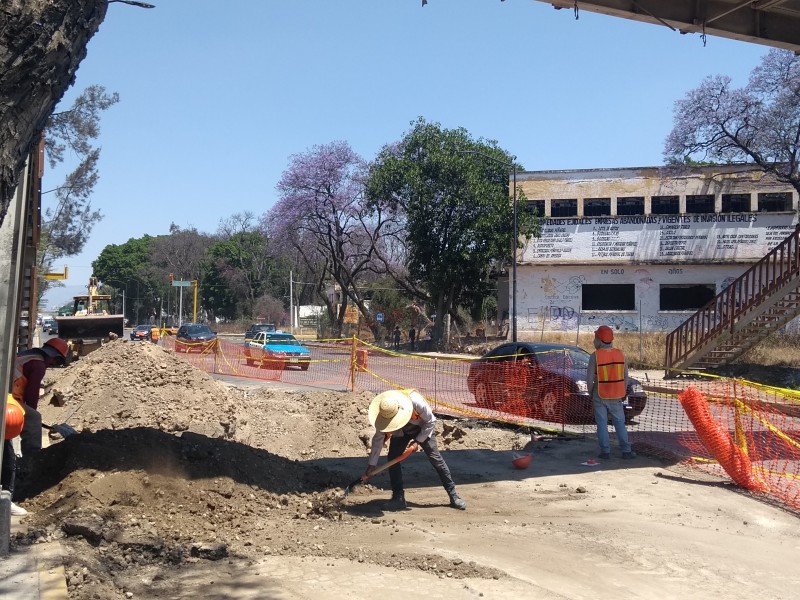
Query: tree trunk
point(42, 42)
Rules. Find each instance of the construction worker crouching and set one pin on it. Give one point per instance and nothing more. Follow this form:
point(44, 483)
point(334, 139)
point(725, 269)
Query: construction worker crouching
point(15, 421)
point(29, 369)
point(405, 418)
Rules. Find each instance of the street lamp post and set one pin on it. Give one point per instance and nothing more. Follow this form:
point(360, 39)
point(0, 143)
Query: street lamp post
point(513, 165)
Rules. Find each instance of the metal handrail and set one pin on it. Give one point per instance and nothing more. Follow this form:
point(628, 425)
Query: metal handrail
point(753, 287)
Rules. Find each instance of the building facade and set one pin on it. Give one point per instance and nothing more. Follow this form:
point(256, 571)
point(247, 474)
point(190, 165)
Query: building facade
point(642, 249)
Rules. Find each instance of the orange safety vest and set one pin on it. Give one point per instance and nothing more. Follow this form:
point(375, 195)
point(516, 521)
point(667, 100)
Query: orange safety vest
point(610, 374)
point(20, 381)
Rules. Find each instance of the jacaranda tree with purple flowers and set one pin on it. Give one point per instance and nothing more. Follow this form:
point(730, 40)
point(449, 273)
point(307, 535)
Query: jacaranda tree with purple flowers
point(322, 219)
point(759, 123)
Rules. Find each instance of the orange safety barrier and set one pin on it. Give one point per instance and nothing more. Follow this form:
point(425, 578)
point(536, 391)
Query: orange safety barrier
point(761, 424)
point(718, 441)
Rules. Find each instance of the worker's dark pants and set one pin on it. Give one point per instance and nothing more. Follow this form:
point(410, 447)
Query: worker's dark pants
point(30, 439)
point(398, 445)
point(9, 467)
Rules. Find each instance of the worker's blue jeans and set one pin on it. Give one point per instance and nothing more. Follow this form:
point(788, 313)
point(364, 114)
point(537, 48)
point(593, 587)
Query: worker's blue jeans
point(398, 445)
point(602, 409)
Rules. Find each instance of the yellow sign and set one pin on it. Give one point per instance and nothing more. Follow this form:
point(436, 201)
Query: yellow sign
point(351, 315)
point(57, 276)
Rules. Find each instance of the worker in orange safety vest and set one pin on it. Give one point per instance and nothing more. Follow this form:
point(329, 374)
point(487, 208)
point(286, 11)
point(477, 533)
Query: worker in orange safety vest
point(14, 422)
point(607, 381)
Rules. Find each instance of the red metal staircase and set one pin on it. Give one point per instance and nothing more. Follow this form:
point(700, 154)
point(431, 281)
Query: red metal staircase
point(764, 299)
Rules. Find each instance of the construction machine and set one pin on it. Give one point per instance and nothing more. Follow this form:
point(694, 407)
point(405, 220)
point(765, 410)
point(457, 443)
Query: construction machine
point(92, 323)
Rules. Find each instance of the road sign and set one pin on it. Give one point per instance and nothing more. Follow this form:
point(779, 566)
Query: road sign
point(181, 283)
point(379, 317)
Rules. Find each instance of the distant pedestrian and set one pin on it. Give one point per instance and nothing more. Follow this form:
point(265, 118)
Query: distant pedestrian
point(607, 380)
point(397, 337)
point(412, 337)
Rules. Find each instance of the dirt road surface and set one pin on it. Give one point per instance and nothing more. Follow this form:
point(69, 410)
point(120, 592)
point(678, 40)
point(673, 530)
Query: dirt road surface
point(179, 487)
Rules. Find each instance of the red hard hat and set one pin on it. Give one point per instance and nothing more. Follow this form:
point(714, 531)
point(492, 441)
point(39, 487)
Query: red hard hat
point(59, 345)
point(605, 334)
point(15, 418)
point(521, 461)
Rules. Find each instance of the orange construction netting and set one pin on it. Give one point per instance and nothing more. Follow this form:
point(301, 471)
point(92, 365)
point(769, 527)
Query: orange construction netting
point(730, 428)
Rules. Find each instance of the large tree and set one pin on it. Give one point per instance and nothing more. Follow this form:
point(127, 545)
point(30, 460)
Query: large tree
point(42, 43)
point(454, 193)
point(321, 214)
point(759, 123)
point(68, 221)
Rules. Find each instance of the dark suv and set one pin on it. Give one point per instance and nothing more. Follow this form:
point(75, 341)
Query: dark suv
point(257, 327)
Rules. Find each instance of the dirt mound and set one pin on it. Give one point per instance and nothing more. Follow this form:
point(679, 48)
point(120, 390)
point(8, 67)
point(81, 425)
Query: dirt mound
point(171, 467)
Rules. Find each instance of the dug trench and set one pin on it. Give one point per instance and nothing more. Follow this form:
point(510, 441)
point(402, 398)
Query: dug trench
point(179, 486)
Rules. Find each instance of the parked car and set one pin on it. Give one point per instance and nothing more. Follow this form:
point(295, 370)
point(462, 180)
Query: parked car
point(141, 332)
point(278, 350)
point(194, 337)
point(550, 379)
point(257, 327)
point(50, 326)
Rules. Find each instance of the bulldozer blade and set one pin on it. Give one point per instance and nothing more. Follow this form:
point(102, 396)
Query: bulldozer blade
point(90, 327)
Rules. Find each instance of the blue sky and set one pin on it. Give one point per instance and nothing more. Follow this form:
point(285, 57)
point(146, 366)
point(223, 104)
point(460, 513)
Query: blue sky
point(217, 95)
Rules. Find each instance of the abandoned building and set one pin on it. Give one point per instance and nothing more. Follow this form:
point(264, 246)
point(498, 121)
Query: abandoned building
point(642, 249)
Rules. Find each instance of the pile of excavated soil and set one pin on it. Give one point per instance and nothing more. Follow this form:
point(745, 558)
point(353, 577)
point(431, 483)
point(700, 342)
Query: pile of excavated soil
point(170, 468)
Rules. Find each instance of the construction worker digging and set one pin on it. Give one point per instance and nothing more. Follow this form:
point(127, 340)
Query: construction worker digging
point(404, 417)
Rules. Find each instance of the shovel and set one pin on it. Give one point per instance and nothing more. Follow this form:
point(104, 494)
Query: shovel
point(61, 429)
point(364, 478)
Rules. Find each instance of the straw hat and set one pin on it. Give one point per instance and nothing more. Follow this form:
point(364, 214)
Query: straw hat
point(391, 410)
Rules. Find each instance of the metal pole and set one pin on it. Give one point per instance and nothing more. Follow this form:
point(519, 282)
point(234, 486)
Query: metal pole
point(514, 266)
point(291, 305)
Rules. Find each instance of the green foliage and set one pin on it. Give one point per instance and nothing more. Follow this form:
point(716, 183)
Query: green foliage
point(454, 191)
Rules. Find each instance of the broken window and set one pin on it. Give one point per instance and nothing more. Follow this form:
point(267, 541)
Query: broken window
point(564, 208)
point(608, 296)
point(664, 205)
point(597, 207)
point(630, 206)
point(777, 202)
point(690, 296)
point(735, 203)
point(700, 204)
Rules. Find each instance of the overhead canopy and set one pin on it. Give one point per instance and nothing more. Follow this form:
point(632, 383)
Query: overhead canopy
point(769, 22)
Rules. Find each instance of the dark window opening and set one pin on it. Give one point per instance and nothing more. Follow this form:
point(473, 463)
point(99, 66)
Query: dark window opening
point(734, 203)
point(780, 202)
point(630, 206)
point(608, 296)
point(564, 208)
point(685, 297)
point(664, 205)
point(700, 204)
point(597, 207)
point(535, 207)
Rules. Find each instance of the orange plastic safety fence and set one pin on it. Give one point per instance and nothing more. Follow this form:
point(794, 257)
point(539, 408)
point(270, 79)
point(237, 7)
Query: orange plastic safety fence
point(547, 392)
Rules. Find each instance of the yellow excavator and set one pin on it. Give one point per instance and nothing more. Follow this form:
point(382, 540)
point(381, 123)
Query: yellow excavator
point(92, 323)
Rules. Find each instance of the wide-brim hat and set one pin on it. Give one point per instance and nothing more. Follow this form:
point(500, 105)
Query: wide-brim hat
point(390, 410)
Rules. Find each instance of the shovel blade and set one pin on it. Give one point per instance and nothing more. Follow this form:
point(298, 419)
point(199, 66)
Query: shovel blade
point(62, 429)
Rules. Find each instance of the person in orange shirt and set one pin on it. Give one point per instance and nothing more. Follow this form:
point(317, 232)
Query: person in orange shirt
point(607, 380)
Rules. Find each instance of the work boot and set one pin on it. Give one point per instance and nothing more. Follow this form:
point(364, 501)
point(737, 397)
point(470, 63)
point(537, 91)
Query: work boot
point(629, 455)
point(456, 501)
point(18, 511)
point(398, 502)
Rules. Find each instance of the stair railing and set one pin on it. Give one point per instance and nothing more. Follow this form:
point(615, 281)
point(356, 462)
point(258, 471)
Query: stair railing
point(755, 285)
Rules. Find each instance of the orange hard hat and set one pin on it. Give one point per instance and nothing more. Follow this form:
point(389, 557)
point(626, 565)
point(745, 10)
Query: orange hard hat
point(58, 345)
point(605, 334)
point(15, 418)
point(521, 461)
